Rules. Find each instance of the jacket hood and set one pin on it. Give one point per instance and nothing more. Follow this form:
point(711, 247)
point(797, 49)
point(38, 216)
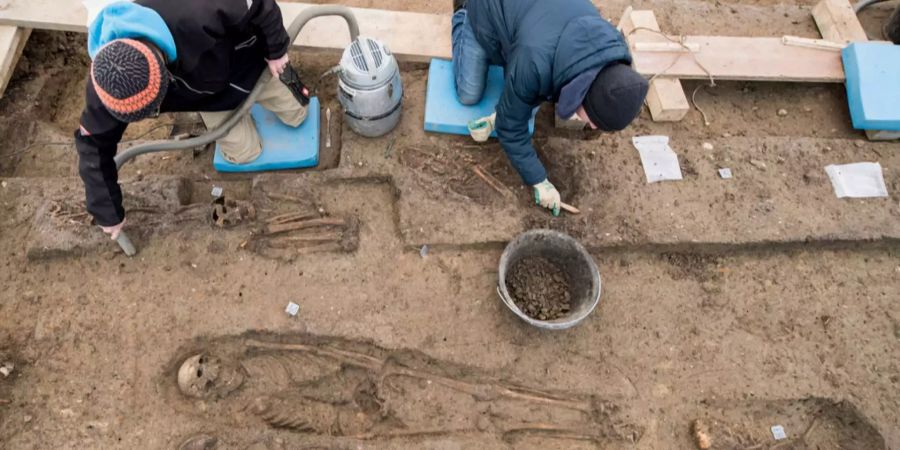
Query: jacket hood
point(129, 20)
point(587, 43)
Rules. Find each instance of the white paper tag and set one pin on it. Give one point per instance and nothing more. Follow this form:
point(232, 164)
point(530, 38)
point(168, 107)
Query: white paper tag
point(859, 180)
point(725, 173)
point(778, 432)
point(217, 191)
point(292, 309)
point(659, 161)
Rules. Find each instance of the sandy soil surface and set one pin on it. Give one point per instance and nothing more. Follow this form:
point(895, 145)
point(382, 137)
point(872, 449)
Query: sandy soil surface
point(725, 308)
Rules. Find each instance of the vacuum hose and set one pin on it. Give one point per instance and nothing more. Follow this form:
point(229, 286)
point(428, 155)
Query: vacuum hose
point(211, 136)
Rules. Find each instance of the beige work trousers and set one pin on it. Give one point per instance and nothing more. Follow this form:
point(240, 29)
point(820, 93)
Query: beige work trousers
point(241, 145)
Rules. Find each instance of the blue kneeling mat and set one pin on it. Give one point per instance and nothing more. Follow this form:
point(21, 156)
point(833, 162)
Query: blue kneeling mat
point(283, 147)
point(443, 111)
point(873, 92)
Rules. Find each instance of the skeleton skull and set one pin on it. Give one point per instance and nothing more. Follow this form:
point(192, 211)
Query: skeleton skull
point(198, 375)
point(202, 375)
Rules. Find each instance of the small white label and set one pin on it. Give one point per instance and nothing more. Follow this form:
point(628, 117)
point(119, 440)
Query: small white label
point(725, 173)
point(217, 191)
point(778, 432)
point(292, 309)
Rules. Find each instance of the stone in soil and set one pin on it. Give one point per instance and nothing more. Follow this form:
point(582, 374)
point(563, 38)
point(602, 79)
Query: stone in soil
point(539, 288)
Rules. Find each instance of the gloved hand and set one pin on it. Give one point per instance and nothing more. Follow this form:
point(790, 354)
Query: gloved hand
point(114, 230)
point(546, 195)
point(481, 129)
point(276, 66)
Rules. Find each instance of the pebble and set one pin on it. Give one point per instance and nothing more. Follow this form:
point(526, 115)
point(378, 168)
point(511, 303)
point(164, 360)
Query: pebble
point(7, 369)
point(707, 146)
point(483, 423)
point(4, 184)
point(758, 164)
point(360, 164)
point(27, 418)
point(859, 144)
point(782, 112)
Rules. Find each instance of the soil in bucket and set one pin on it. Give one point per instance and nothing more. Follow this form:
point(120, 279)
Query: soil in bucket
point(539, 288)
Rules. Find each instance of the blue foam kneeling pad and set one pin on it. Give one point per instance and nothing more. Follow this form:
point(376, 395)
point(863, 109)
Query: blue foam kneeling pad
point(283, 147)
point(443, 111)
point(872, 70)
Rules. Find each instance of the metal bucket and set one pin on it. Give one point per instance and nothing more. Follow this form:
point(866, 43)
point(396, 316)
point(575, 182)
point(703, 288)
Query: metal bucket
point(564, 251)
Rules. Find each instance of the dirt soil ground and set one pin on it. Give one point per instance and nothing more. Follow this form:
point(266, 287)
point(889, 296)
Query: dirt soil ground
point(744, 305)
point(539, 288)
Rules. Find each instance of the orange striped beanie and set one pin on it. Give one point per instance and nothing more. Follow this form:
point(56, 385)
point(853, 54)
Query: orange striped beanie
point(130, 78)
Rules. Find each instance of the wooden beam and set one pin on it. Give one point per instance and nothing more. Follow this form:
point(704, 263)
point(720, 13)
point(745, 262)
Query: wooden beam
point(665, 98)
point(744, 58)
point(421, 37)
point(12, 42)
point(411, 36)
point(837, 22)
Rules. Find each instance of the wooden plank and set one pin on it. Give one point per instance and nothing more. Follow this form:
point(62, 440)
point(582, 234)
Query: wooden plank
point(12, 42)
point(665, 98)
point(837, 22)
point(744, 58)
point(423, 36)
point(411, 36)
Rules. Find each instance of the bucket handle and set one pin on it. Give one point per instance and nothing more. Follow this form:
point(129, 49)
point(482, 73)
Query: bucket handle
point(505, 300)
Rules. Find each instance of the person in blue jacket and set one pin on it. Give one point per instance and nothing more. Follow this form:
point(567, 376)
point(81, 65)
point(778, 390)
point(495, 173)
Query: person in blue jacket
point(559, 51)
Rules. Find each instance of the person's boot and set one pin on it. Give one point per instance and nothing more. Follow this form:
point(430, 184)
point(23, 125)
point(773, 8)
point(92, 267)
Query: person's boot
point(892, 28)
point(458, 4)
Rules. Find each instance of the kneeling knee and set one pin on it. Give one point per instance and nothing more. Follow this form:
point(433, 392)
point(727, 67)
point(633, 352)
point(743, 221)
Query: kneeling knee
point(468, 99)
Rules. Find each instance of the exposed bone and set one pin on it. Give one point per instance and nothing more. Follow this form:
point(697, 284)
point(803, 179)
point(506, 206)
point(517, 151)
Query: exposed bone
point(301, 225)
point(201, 376)
point(488, 392)
point(290, 217)
point(412, 433)
point(352, 358)
point(554, 430)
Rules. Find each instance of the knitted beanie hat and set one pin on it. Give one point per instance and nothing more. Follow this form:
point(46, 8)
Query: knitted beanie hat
point(615, 97)
point(130, 78)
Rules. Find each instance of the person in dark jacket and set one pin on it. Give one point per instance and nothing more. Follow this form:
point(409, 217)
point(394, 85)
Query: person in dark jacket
point(559, 51)
point(152, 56)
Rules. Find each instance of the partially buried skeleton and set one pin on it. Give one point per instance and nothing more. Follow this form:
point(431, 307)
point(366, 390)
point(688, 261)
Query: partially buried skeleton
point(335, 387)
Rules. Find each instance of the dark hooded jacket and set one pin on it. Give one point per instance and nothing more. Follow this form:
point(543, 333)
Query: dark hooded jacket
point(543, 44)
point(221, 46)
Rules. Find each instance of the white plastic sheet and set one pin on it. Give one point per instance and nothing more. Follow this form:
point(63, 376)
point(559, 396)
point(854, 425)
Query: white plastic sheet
point(858, 180)
point(659, 161)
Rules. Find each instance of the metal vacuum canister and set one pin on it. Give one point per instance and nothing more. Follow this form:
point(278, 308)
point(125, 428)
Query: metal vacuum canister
point(369, 88)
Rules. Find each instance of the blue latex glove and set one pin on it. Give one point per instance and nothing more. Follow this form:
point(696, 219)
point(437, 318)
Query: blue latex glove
point(546, 195)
